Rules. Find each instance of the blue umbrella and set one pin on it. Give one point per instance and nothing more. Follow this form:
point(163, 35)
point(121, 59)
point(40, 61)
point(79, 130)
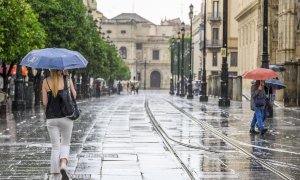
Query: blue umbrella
point(275, 84)
point(54, 58)
point(276, 68)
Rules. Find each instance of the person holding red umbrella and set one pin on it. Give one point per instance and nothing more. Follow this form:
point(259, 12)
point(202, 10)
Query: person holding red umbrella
point(258, 103)
point(258, 96)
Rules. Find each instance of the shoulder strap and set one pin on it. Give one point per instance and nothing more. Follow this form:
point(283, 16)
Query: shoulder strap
point(66, 87)
point(48, 85)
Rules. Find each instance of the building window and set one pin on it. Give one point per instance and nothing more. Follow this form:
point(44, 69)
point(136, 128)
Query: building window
point(123, 52)
point(233, 59)
point(139, 46)
point(155, 54)
point(123, 32)
point(215, 36)
point(108, 31)
point(215, 59)
point(216, 9)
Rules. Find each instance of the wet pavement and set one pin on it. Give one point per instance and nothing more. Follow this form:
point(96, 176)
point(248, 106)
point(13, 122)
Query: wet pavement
point(115, 139)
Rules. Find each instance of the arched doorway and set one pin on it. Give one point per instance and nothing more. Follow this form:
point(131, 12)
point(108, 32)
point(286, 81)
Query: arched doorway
point(155, 79)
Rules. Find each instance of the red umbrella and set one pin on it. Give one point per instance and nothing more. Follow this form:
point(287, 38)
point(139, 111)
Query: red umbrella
point(260, 74)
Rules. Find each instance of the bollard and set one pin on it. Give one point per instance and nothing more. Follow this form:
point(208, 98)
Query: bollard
point(230, 87)
point(239, 88)
point(209, 85)
point(2, 104)
point(218, 86)
point(214, 85)
point(28, 94)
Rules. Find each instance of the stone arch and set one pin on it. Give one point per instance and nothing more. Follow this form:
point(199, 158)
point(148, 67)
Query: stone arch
point(155, 79)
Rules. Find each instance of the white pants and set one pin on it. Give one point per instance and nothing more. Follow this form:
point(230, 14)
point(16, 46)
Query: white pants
point(60, 131)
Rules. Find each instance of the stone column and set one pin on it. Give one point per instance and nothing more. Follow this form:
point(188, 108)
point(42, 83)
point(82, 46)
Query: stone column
point(290, 79)
point(286, 31)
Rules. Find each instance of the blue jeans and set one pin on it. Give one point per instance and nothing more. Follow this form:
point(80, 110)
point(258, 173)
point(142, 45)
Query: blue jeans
point(258, 117)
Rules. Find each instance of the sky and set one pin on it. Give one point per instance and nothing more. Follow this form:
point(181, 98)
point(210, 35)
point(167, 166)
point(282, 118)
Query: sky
point(152, 10)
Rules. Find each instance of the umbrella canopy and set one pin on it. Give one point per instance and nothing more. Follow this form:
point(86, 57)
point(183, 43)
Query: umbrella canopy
point(99, 79)
point(275, 84)
point(54, 58)
point(276, 68)
point(260, 74)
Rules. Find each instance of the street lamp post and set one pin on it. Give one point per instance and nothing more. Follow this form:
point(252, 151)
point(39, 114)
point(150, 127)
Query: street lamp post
point(178, 64)
point(172, 67)
point(109, 78)
point(265, 55)
point(224, 100)
point(182, 94)
point(145, 66)
point(19, 103)
point(190, 88)
point(203, 96)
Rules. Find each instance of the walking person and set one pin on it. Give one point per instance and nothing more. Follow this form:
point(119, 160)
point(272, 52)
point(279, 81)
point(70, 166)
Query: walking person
point(59, 127)
point(137, 86)
point(133, 85)
point(258, 103)
point(98, 89)
point(128, 87)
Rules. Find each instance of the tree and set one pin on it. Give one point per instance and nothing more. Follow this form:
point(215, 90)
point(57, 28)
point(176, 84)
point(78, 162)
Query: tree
point(20, 32)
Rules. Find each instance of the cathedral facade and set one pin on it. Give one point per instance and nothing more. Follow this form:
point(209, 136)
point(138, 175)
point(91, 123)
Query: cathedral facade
point(144, 46)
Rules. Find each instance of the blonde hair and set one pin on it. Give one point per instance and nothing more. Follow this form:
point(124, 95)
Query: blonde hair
point(54, 74)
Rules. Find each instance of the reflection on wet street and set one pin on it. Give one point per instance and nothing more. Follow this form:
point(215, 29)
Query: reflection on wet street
point(114, 139)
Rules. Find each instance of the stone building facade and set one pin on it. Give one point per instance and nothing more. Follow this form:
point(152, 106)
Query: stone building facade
point(214, 33)
point(144, 47)
point(283, 42)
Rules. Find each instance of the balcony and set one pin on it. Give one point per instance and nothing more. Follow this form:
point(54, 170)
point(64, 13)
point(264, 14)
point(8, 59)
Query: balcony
point(212, 44)
point(213, 17)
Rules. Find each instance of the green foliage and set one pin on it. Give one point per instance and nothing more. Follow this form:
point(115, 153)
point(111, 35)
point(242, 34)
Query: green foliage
point(61, 24)
point(20, 31)
point(186, 55)
point(62, 20)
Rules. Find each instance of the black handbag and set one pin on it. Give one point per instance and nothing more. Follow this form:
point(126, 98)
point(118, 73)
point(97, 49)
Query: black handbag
point(68, 104)
point(259, 102)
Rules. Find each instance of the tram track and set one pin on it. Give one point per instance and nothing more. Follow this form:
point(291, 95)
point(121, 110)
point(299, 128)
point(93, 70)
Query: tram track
point(232, 142)
point(165, 138)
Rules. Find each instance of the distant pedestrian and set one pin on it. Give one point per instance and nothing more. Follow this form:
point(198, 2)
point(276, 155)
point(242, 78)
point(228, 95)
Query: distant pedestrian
point(258, 103)
point(119, 87)
point(137, 86)
point(59, 127)
point(98, 89)
point(132, 88)
point(128, 87)
point(196, 90)
point(132, 84)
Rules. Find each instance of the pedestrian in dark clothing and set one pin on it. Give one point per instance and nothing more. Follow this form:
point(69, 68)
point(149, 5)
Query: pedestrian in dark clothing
point(98, 89)
point(258, 103)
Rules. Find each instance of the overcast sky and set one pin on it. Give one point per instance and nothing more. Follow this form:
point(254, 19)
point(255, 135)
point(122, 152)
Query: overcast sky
point(152, 10)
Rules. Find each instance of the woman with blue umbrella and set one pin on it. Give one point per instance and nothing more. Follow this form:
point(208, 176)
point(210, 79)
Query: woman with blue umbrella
point(59, 127)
